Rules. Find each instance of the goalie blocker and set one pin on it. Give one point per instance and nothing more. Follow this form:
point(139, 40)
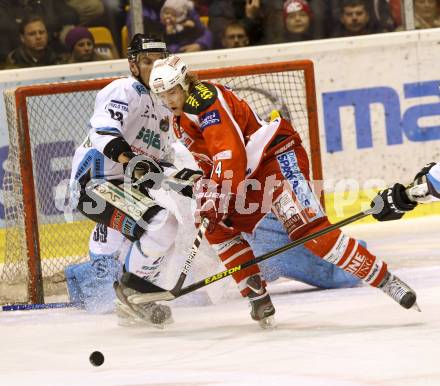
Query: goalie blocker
point(128, 207)
point(119, 206)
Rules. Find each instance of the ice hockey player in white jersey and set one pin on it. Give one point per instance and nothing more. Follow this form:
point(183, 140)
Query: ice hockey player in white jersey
point(114, 174)
point(398, 199)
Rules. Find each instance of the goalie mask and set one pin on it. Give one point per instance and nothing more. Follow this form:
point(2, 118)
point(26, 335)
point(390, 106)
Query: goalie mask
point(143, 43)
point(168, 73)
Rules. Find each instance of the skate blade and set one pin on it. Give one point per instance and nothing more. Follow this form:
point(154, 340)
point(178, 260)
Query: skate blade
point(161, 326)
point(137, 322)
point(416, 307)
point(129, 323)
point(268, 322)
point(134, 319)
point(127, 318)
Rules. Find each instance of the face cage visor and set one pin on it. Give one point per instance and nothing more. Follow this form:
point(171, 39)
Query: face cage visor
point(148, 46)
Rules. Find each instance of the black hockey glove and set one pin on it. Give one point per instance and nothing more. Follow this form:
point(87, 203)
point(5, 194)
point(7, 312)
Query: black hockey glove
point(395, 203)
point(183, 181)
point(143, 171)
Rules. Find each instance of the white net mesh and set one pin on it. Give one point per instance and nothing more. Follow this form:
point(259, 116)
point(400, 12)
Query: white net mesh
point(57, 125)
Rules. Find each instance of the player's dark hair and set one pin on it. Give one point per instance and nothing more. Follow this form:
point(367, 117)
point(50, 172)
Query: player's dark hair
point(236, 24)
point(353, 3)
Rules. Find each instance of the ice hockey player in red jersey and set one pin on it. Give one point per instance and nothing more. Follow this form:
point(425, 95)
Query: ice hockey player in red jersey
point(252, 167)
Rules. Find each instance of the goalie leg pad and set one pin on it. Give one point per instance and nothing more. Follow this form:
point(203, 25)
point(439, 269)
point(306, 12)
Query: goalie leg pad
point(91, 283)
point(348, 254)
point(299, 210)
point(298, 263)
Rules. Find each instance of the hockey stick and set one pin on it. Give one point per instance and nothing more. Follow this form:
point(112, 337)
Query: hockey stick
point(44, 306)
point(195, 247)
point(158, 293)
point(173, 294)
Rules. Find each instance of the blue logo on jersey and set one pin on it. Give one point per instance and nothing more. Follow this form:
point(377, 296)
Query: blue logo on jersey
point(290, 169)
point(119, 105)
point(140, 88)
point(210, 118)
point(289, 165)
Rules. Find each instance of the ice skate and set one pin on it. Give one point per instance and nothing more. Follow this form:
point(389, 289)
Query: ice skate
point(399, 291)
point(262, 308)
point(148, 313)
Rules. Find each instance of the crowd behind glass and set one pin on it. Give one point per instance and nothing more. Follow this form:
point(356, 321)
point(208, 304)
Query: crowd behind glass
point(45, 32)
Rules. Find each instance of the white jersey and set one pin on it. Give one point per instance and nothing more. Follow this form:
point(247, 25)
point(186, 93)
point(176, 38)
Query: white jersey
point(123, 108)
point(434, 179)
point(427, 188)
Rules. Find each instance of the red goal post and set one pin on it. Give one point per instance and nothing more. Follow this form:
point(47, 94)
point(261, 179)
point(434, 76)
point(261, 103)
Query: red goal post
point(47, 122)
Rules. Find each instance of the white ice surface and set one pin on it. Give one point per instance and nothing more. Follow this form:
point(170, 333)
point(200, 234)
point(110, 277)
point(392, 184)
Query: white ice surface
point(349, 337)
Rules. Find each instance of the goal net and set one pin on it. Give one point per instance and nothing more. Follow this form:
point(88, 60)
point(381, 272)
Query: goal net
point(47, 122)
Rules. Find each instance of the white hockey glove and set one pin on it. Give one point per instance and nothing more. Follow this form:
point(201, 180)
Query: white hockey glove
point(183, 181)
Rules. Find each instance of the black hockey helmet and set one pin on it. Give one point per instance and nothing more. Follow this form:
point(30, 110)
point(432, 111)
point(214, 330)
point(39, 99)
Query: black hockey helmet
point(145, 43)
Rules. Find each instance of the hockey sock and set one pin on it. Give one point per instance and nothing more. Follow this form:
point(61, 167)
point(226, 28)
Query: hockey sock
point(234, 252)
point(348, 254)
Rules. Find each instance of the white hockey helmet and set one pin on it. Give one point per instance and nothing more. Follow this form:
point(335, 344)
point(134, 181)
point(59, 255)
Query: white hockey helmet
point(167, 73)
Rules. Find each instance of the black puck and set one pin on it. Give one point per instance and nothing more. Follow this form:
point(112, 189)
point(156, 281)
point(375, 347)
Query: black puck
point(96, 358)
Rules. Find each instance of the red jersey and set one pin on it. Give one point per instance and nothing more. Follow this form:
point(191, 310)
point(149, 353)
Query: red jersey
point(225, 134)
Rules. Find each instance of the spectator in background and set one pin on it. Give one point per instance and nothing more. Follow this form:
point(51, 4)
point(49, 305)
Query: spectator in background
point(248, 12)
point(395, 10)
point(182, 32)
point(88, 11)
point(105, 13)
point(34, 49)
point(297, 17)
point(81, 46)
point(354, 19)
point(426, 14)
point(151, 17)
point(381, 14)
point(56, 14)
point(115, 15)
point(235, 35)
point(274, 20)
point(202, 6)
point(379, 11)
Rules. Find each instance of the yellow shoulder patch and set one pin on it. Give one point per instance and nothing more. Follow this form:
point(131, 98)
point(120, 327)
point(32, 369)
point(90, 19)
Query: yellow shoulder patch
point(201, 97)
